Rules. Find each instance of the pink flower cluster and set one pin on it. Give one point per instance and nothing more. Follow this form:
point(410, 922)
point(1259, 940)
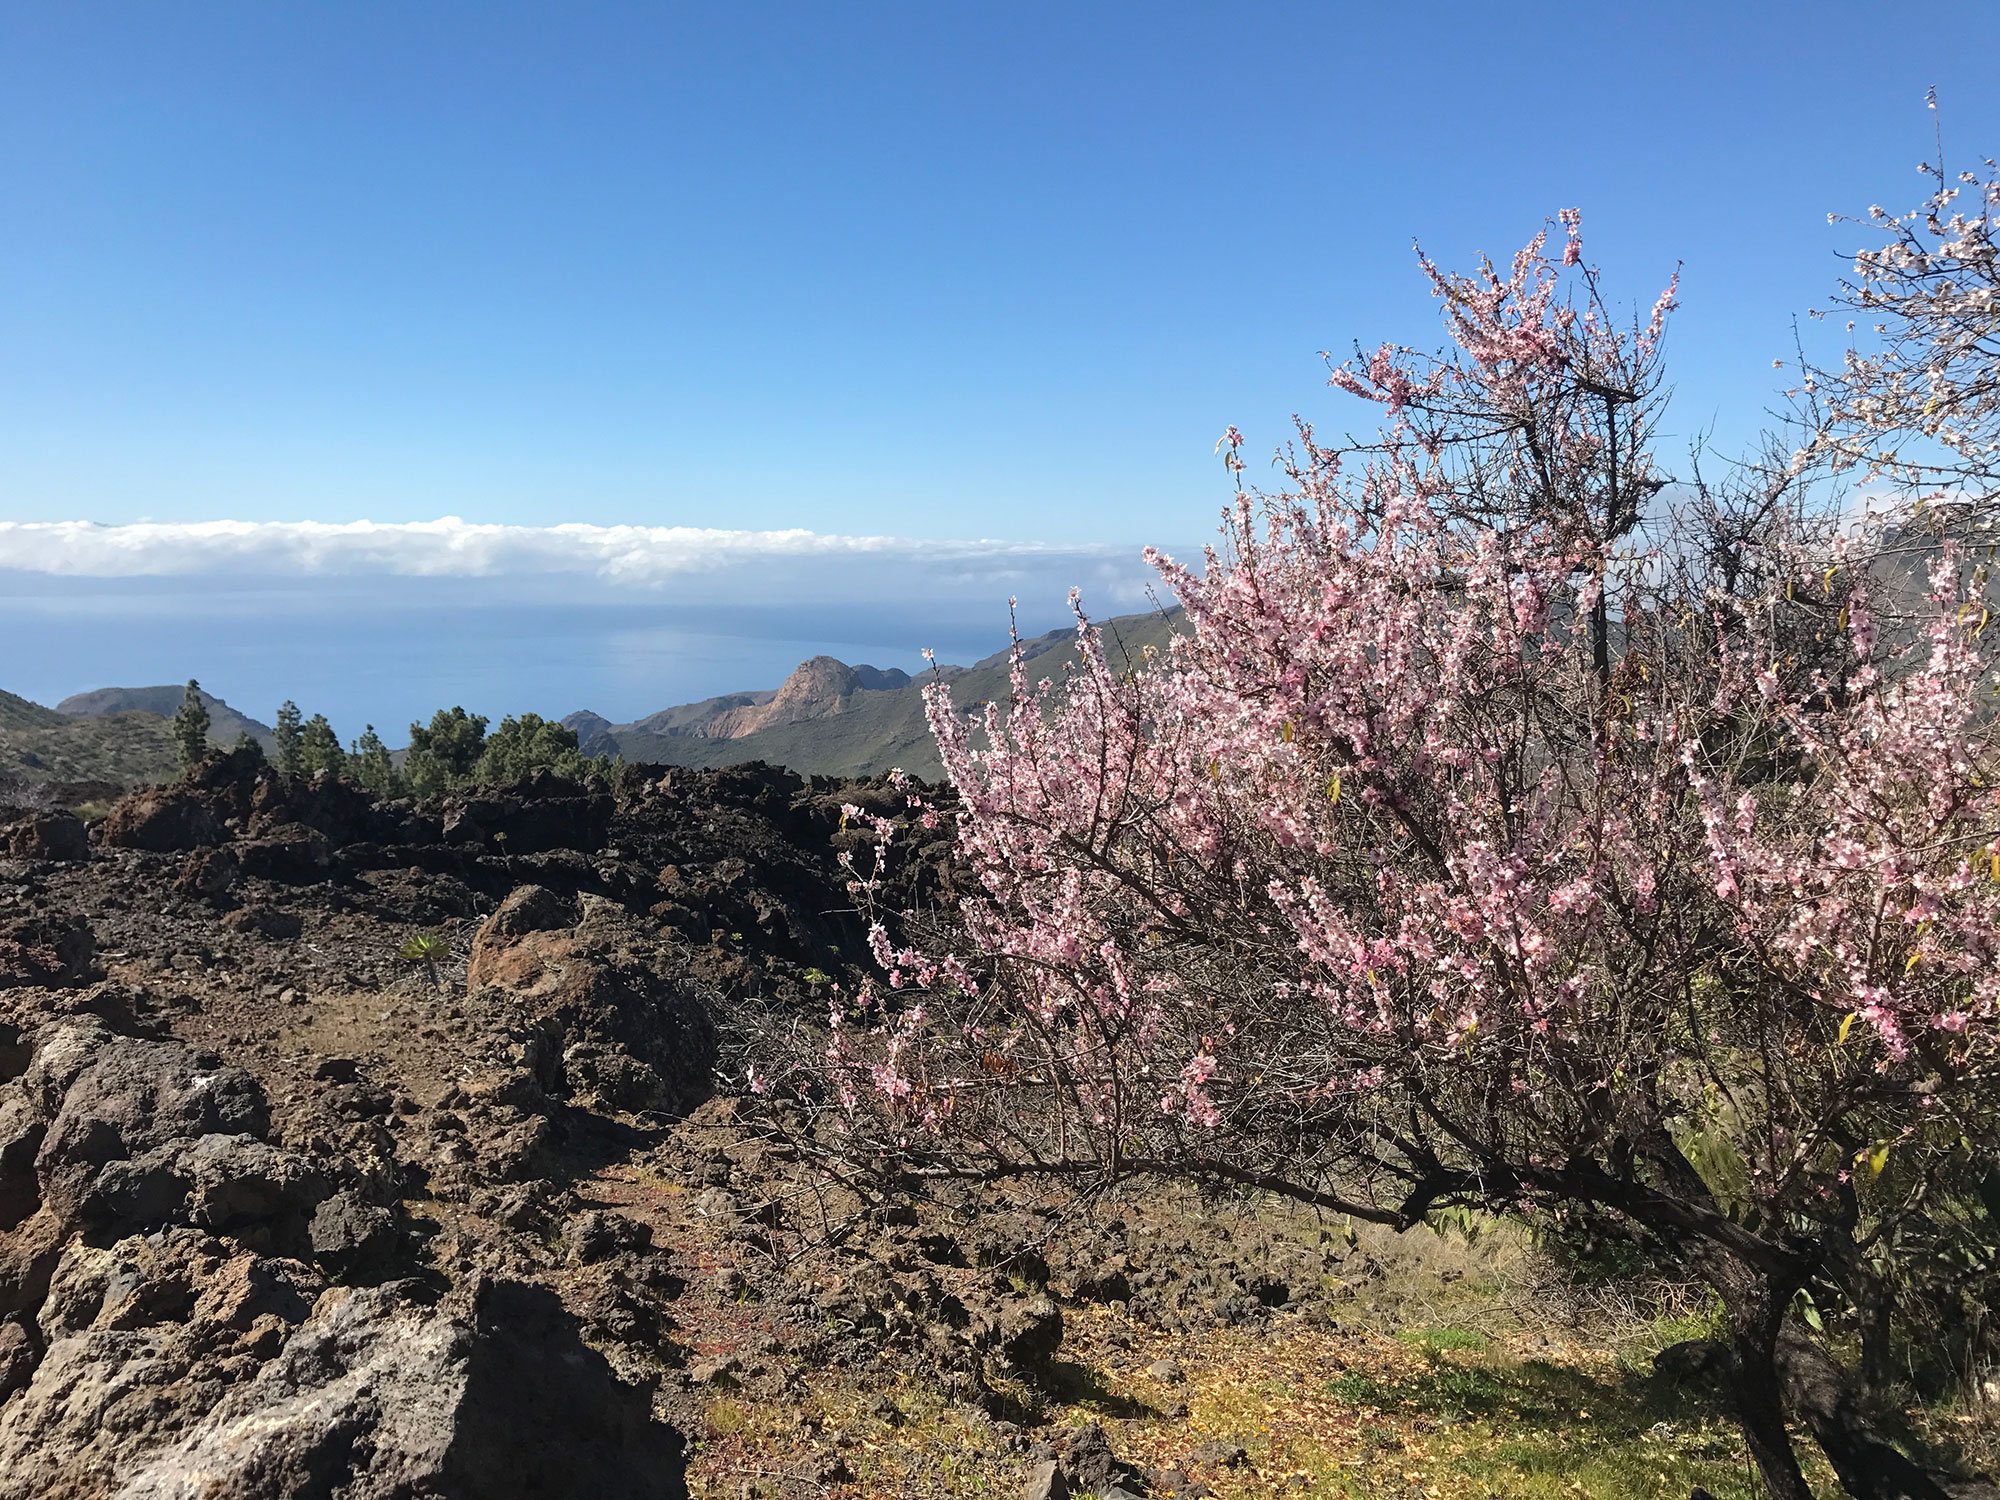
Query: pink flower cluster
point(1374, 838)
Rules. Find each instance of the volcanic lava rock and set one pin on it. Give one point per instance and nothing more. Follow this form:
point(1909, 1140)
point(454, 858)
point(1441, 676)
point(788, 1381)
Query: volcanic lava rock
point(115, 1135)
point(594, 1236)
point(46, 948)
point(44, 835)
point(536, 814)
point(164, 820)
point(18, 1354)
point(608, 1017)
point(210, 874)
point(290, 853)
point(293, 823)
point(128, 1096)
point(218, 1182)
point(489, 1396)
point(1028, 1331)
point(1087, 1460)
point(354, 1240)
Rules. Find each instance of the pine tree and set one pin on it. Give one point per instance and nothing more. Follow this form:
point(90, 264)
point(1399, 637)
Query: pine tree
point(444, 753)
point(372, 766)
point(286, 737)
point(319, 748)
point(519, 747)
point(191, 726)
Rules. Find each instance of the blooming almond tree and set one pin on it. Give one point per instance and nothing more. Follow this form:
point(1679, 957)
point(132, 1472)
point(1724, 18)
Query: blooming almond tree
point(1410, 878)
point(1916, 397)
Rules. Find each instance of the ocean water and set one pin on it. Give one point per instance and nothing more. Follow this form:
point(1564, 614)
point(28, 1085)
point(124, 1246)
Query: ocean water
point(389, 652)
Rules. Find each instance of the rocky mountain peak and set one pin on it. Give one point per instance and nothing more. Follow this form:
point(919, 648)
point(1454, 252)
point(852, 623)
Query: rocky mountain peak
point(815, 683)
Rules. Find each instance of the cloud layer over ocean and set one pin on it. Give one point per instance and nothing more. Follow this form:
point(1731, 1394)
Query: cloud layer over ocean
point(381, 623)
point(737, 566)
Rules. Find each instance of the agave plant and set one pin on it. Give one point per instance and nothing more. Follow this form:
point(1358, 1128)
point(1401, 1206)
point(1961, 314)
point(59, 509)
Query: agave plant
point(428, 949)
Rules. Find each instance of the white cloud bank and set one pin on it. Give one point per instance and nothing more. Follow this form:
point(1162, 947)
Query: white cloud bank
point(453, 548)
point(691, 563)
point(382, 623)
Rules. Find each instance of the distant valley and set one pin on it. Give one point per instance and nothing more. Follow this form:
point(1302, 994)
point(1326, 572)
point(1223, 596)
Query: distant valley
point(828, 718)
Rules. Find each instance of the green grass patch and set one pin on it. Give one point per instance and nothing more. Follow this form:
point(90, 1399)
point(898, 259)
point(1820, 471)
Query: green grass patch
point(1535, 1430)
point(1438, 1340)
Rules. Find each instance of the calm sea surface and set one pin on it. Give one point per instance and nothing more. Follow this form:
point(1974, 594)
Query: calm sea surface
point(388, 654)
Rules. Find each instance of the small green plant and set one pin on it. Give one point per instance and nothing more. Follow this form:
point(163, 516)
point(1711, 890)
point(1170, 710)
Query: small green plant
point(1352, 1388)
point(429, 949)
point(1437, 1340)
point(817, 976)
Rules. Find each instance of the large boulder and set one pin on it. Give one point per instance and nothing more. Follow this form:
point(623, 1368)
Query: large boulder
point(112, 1132)
point(162, 819)
point(143, 1336)
point(56, 834)
point(530, 816)
point(491, 1395)
point(131, 1096)
point(218, 1182)
point(496, 954)
point(614, 1019)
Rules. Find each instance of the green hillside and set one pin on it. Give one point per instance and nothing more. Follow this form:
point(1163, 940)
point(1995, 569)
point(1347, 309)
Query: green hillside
point(131, 749)
point(878, 730)
point(19, 713)
point(225, 724)
point(120, 735)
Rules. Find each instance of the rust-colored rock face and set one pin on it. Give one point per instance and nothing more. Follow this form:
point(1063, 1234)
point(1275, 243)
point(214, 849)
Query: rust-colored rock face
point(817, 689)
point(161, 820)
point(44, 835)
point(616, 1014)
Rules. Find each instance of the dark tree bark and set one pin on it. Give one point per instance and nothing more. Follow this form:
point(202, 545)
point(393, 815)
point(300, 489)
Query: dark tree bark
point(1760, 1407)
point(1802, 1379)
point(1871, 1467)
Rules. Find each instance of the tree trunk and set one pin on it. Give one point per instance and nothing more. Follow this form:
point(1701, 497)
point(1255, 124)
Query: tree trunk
point(1756, 1305)
point(1760, 1409)
point(1874, 1305)
point(1803, 1379)
point(1869, 1464)
point(1877, 1337)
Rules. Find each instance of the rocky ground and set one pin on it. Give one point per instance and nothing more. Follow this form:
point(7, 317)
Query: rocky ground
point(284, 1212)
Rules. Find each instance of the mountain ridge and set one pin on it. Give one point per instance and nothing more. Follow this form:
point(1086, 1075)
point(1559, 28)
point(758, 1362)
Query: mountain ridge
point(826, 719)
point(108, 736)
point(225, 724)
point(829, 719)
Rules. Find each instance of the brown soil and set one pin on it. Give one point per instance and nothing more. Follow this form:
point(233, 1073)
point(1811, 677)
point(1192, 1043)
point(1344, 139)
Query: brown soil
point(557, 1121)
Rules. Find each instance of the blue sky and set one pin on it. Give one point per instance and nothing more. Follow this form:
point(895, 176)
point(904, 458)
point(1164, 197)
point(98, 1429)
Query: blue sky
point(927, 271)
